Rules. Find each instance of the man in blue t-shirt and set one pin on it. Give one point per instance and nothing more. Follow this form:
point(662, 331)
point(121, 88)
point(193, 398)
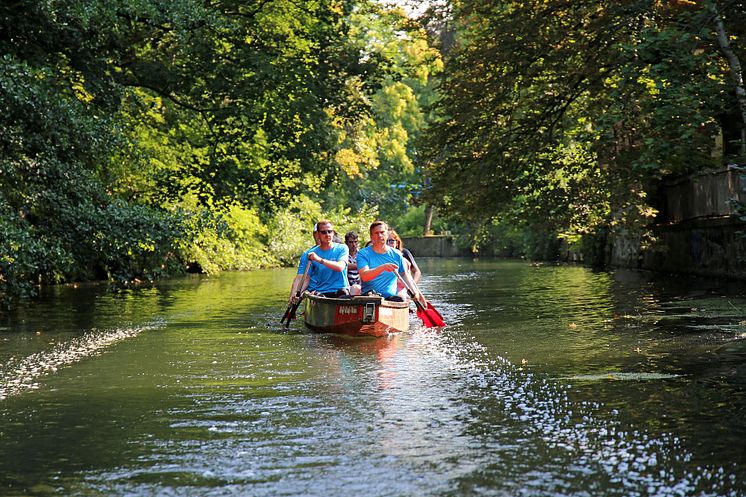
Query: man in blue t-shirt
point(379, 263)
point(328, 272)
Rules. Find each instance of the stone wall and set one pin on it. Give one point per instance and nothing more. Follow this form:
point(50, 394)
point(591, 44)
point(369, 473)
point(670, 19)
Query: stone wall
point(699, 230)
point(433, 246)
point(706, 247)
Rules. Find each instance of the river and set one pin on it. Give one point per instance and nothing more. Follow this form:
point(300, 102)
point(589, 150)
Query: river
point(548, 381)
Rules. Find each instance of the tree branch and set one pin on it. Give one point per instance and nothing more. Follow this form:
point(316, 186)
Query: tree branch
point(734, 65)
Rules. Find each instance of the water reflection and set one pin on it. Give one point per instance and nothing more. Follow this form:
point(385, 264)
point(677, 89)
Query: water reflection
point(548, 381)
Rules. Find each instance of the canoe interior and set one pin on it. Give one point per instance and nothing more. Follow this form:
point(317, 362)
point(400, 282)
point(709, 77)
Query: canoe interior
point(356, 316)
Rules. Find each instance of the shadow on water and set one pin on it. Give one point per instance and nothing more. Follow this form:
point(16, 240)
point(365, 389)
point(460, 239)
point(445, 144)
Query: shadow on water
point(548, 381)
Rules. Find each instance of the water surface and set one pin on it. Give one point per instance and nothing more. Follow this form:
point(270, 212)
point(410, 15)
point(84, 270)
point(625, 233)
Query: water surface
point(548, 381)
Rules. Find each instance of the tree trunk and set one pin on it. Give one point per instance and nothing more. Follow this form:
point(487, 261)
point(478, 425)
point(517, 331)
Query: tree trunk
point(735, 70)
point(428, 220)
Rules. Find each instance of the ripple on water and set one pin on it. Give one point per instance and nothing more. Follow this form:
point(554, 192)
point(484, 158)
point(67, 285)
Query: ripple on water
point(21, 374)
point(587, 437)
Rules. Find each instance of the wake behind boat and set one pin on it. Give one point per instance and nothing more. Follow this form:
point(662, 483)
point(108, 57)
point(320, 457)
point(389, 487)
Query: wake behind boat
point(356, 316)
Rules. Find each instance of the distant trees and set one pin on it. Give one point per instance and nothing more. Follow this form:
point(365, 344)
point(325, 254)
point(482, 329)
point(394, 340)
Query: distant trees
point(563, 116)
point(378, 152)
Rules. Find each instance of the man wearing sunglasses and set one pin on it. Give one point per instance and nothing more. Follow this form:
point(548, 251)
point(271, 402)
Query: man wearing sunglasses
point(328, 260)
point(379, 263)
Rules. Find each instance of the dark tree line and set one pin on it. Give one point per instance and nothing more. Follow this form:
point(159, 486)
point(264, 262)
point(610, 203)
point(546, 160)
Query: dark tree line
point(563, 117)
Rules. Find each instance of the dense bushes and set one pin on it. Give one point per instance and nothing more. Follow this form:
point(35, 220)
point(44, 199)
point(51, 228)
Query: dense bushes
point(217, 240)
point(123, 243)
point(291, 228)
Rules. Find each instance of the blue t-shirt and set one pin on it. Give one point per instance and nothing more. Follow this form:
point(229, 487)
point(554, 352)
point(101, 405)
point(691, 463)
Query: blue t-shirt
point(384, 283)
point(323, 279)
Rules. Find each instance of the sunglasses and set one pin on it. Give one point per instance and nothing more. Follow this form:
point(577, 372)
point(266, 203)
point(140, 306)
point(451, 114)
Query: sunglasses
point(326, 232)
point(391, 241)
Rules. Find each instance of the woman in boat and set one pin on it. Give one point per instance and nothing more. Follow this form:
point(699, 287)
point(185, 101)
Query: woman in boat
point(395, 241)
point(353, 277)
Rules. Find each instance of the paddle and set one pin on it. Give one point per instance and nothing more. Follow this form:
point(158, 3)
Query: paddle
point(430, 316)
point(292, 308)
point(435, 314)
point(287, 313)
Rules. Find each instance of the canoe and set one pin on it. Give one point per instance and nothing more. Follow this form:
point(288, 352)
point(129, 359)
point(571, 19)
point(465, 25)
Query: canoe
point(356, 316)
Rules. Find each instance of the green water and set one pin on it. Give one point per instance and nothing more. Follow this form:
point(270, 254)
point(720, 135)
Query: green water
point(549, 381)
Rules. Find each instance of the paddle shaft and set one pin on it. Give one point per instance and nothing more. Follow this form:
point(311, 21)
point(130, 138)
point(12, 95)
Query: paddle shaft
point(290, 311)
point(409, 290)
point(429, 315)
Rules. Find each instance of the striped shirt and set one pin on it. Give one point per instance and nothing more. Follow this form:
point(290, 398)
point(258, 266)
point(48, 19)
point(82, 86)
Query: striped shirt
point(353, 277)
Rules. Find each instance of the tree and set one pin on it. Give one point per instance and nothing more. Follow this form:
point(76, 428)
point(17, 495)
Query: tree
point(234, 99)
point(734, 64)
point(175, 117)
point(378, 148)
point(566, 115)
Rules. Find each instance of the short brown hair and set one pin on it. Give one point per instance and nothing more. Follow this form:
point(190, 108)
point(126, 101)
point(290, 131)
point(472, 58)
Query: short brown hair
point(323, 221)
point(378, 223)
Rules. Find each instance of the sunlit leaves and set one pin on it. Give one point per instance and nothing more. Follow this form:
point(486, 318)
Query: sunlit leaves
point(378, 145)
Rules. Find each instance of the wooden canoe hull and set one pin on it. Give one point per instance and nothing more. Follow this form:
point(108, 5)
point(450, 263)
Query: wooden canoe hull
point(356, 316)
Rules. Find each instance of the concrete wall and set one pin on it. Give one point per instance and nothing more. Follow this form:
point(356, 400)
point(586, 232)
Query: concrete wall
point(706, 247)
point(433, 246)
point(700, 231)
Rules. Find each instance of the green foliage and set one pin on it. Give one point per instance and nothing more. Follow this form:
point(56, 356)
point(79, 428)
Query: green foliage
point(671, 77)
point(216, 241)
point(412, 222)
point(507, 238)
point(25, 258)
point(120, 241)
point(291, 229)
point(565, 116)
point(378, 149)
point(139, 138)
point(357, 220)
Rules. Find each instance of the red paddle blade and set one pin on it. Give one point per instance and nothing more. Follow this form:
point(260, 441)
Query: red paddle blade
point(425, 317)
point(430, 317)
point(435, 315)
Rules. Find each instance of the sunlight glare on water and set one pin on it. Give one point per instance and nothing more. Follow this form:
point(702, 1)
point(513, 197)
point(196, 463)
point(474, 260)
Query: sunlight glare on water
point(548, 381)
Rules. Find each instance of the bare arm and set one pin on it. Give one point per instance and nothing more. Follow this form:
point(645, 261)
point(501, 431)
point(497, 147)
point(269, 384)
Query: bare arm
point(414, 268)
point(297, 282)
point(333, 265)
point(367, 274)
point(416, 273)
